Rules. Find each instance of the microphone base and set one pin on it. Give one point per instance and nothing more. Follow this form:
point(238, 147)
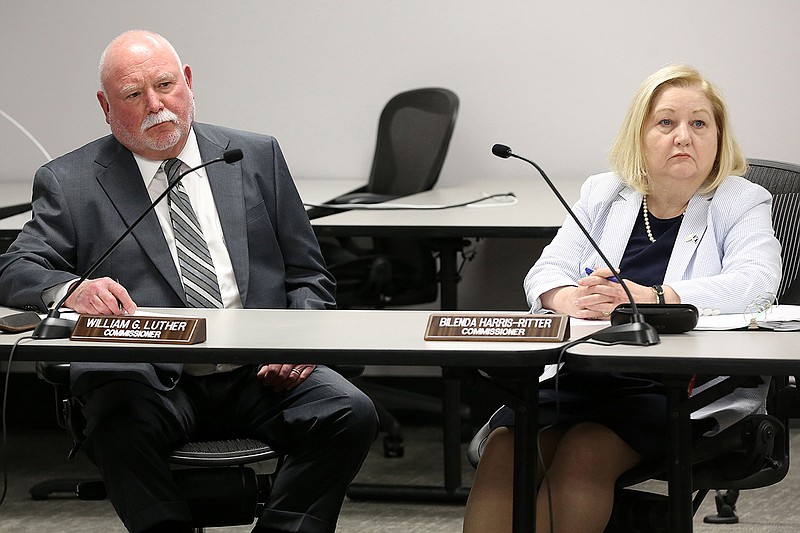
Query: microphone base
point(633, 333)
point(54, 328)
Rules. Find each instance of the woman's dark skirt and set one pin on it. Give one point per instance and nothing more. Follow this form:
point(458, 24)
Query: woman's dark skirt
point(632, 405)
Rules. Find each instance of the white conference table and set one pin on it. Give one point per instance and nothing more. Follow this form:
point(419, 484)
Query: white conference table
point(358, 337)
point(385, 337)
point(535, 214)
point(677, 357)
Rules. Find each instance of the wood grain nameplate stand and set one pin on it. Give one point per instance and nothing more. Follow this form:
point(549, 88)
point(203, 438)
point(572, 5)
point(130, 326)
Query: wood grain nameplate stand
point(151, 329)
point(494, 327)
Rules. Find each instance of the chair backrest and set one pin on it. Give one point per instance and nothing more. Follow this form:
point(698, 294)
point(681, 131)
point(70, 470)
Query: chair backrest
point(414, 134)
point(783, 181)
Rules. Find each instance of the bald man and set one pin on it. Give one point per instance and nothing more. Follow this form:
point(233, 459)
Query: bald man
point(263, 254)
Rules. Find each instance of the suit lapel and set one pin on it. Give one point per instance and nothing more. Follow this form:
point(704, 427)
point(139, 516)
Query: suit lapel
point(121, 180)
point(623, 213)
point(227, 186)
point(693, 227)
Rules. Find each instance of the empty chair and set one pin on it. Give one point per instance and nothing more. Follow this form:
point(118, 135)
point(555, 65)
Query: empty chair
point(414, 132)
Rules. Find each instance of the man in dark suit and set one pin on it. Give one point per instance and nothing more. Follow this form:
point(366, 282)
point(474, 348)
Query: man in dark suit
point(262, 254)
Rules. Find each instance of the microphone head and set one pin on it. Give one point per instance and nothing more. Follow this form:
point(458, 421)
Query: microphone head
point(501, 150)
point(232, 156)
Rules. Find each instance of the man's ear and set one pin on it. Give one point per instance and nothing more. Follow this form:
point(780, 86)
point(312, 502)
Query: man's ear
point(187, 74)
point(101, 97)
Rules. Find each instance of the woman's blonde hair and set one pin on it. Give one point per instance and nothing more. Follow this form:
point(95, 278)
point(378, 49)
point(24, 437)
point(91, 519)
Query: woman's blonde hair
point(627, 156)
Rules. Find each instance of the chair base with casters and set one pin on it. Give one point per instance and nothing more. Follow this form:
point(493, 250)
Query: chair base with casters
point(726, 508)
point(219, 487)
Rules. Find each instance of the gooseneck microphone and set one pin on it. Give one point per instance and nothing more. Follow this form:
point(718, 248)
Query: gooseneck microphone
point(55, 327)
point(637, 332)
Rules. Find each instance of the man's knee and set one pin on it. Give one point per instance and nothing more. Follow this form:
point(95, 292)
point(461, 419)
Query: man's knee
point(350, 415)
point(364, 416)
point(126, 415)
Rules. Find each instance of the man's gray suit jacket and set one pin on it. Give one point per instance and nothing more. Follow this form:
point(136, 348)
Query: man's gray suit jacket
point(84, 200)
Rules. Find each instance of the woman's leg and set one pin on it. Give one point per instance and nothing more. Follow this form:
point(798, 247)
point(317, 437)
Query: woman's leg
point(583, 466)
point(581, 479)
point(489, 507)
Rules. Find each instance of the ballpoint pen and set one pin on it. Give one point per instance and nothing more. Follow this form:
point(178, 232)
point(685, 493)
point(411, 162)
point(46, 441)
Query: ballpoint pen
point(589, 272)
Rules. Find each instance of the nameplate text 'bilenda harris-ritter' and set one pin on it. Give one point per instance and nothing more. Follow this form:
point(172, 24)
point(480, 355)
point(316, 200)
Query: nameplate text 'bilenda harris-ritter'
point(498, 327)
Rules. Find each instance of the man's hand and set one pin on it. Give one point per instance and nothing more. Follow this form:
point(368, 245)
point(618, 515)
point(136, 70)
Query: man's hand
point(284, 377)
point(102, 296)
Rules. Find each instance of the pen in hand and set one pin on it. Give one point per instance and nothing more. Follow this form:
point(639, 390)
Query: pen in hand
point(589, 272)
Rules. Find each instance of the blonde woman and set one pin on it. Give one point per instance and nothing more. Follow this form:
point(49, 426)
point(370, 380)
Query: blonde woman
point(682, 226)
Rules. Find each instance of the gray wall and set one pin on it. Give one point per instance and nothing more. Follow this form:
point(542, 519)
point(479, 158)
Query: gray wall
point(551, 79)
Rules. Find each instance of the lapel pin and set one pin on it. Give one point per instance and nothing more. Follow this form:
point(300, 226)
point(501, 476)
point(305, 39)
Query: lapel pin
point(692, 237)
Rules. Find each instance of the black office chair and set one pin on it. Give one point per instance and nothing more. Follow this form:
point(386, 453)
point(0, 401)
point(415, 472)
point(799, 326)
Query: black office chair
point(213, 475)
point(754, 452)
point(414, 132)
point(783, 181)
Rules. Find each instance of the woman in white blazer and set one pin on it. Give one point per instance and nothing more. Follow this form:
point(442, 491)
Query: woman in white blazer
point(681, 226)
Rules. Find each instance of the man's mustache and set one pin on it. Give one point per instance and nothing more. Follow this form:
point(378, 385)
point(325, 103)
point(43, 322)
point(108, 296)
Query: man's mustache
point(165, 115)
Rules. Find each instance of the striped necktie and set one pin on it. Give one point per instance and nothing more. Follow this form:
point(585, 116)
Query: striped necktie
point(197, 268)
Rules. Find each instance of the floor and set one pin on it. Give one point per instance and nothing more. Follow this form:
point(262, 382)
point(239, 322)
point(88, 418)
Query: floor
point(36, 455)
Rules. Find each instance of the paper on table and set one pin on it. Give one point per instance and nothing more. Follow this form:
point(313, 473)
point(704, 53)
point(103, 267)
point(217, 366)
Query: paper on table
point(782, 318)
point(721, 322)
point(778, 318)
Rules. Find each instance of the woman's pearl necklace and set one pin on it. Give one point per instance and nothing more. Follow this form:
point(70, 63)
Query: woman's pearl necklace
point(647, 219)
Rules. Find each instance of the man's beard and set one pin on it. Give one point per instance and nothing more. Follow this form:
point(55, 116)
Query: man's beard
point(139, 143)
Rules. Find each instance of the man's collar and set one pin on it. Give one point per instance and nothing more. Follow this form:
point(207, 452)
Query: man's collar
point(190, 155)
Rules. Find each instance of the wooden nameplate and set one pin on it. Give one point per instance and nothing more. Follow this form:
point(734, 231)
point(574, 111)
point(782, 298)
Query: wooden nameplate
point(134, 328)
point(494, 327)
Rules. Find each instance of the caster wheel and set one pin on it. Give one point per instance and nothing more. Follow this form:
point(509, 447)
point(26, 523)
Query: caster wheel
point(393, 446)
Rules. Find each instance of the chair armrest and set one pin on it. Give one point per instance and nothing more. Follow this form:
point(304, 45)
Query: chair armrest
point(54, 373)
point(477, 444)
